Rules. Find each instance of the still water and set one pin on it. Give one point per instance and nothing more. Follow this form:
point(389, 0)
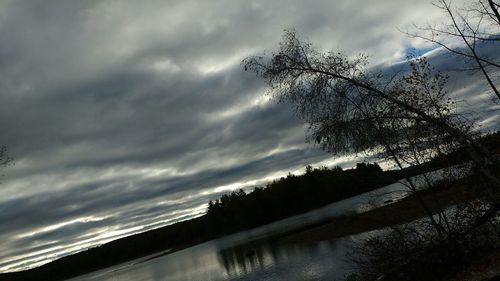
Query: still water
point(249, 256)
point(254, 261)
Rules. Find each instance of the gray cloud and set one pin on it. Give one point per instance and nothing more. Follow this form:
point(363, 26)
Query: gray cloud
point(125, 116)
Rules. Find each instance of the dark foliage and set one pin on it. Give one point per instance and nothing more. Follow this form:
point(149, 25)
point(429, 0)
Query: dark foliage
point(292, 195)
point(414, 252)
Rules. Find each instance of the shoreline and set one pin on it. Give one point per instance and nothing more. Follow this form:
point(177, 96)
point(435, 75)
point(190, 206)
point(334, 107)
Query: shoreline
point(402, 211)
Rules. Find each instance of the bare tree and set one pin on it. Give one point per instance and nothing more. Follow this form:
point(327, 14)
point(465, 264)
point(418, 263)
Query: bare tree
point(409, 119)
point(489, 9)
point(352, 110)
point(472, 25)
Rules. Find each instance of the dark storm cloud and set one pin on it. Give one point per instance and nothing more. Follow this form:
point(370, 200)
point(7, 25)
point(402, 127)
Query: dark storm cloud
point(125, 116)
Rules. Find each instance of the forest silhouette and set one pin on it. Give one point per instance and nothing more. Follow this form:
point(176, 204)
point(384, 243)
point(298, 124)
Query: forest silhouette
point(292, 195)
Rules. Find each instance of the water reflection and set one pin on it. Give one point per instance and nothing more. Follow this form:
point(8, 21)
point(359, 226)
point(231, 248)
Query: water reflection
point(247, 260)
point(274, 261)
point(247, 257)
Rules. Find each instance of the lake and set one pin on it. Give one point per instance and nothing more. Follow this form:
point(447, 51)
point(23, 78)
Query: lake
point(212, 261)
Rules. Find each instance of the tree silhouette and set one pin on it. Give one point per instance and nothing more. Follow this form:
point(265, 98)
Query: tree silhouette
point(292, 195)
point(351, 110)
point(479, 22)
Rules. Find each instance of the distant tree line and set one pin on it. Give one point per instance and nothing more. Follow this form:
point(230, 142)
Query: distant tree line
point(292, 195)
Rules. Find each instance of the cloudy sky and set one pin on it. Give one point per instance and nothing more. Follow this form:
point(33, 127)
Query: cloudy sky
point(124, 116)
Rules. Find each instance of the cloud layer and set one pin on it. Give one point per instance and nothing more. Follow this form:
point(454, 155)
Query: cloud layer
point(126, 116)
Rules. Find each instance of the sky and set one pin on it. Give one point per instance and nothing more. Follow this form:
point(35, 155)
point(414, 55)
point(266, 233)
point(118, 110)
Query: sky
point(124, 116)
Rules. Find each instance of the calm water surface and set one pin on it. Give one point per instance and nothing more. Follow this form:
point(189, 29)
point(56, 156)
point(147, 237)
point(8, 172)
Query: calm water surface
point(213, 261)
